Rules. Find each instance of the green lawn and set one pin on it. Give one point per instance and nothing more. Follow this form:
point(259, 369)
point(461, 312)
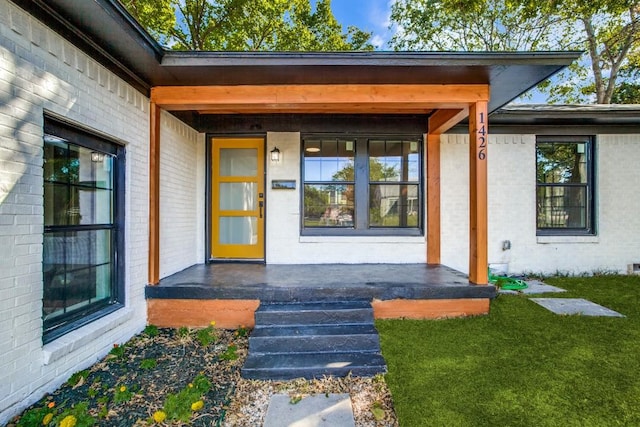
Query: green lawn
point(521, 365)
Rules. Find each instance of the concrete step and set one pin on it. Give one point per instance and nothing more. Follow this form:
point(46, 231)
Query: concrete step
point(314, 339)
point(311, 340)
point(298, 330)
point(309, 366)
point(319, 313)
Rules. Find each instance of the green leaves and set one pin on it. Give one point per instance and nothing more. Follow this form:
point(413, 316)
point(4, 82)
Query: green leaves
point(246, 25)
point(607, 30)
point(157, 16)
point(479, 25)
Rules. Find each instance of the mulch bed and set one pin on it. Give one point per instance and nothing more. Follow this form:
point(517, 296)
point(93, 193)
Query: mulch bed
point(129, 385)
point(138, 378)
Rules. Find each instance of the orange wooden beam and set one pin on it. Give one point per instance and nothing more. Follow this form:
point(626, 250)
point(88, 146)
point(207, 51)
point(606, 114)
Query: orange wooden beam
point(154, 194)
point(428, 309)
point(433, 199)
point(444, 119)
point(318, 98)
point(176, 313)
point(478, 144)
point(381, 108)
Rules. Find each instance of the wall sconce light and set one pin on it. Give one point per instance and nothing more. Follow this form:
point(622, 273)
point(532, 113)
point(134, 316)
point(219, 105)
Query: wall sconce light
point(97, 157)
point(275, 154)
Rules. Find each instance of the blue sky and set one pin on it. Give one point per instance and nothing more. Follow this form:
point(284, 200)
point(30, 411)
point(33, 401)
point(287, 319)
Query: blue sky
point(373, 16)
point(368, 15)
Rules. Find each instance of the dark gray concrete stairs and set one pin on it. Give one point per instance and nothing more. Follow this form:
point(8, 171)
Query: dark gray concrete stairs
point(313, 339)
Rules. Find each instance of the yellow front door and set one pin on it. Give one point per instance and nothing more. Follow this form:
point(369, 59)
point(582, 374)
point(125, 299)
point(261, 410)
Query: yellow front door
point(237, 197)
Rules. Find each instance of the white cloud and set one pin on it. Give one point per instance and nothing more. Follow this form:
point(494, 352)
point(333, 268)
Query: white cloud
point(378, 41)
point(379, 16)
point(380, 13)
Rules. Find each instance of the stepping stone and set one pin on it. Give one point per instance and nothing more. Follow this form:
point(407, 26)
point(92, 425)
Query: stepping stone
point(538, 287)
point(321, 410)
point(578, 306)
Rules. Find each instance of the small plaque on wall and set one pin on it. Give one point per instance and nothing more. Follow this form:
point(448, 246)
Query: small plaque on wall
point(283, 184)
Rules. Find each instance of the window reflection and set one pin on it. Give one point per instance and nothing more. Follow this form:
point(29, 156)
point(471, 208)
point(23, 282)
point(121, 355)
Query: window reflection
point(563, 187)
point(329, 176)
point(362, 183)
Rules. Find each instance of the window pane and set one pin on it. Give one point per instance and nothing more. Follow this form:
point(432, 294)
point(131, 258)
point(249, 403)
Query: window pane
point(95, 206)
point(95, 169)
point(73, 205)
point(77, 270)
point(328, 205)
point(238, 162)
point(394, 205)
point(57, 208)
point(56, 161)
point(238, 230)
point(393, 161)
point(562, 207)
point(562, 162)
point(329, 160)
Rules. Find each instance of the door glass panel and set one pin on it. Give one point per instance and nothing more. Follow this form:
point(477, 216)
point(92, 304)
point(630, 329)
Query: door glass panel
point(238, 230)
point(238, 162)
point(238, 196)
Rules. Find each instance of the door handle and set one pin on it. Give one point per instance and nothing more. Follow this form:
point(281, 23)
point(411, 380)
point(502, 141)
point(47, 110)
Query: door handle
point(261, 205)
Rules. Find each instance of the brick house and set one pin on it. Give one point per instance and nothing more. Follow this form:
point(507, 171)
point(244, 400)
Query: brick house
point(111, 150)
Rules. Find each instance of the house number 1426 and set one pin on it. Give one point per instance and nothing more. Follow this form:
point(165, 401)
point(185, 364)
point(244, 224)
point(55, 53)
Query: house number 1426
point(482, 132)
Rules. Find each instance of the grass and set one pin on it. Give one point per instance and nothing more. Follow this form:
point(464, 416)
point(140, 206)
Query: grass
point(521, 365)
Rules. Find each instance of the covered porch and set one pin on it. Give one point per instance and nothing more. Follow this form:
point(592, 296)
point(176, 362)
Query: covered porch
point(279, 98)
point(229, 293)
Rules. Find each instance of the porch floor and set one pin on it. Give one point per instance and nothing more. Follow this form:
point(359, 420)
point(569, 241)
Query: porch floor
point(317, 282)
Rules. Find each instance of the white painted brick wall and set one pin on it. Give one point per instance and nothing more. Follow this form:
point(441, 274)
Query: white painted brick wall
point(181, 207)
point(40, 71)
point(286, 246)
point(512, 211)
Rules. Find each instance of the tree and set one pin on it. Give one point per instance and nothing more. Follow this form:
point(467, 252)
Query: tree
point(608, 30)
point(474, 25)
point(626, 93)
point(157, 15)
point(611, 34)
point(247, 25)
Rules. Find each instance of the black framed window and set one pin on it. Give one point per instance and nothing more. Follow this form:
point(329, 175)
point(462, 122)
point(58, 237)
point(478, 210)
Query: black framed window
point(565, 185)
point(362, 185)
point(83, 228)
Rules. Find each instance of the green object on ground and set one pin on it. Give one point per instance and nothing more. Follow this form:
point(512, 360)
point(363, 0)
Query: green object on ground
point(507, 283)
point(521, 365)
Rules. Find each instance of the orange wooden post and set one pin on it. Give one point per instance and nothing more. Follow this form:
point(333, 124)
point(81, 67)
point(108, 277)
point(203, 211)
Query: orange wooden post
point(433, 199)
point(478, 143)
point(154, 194)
